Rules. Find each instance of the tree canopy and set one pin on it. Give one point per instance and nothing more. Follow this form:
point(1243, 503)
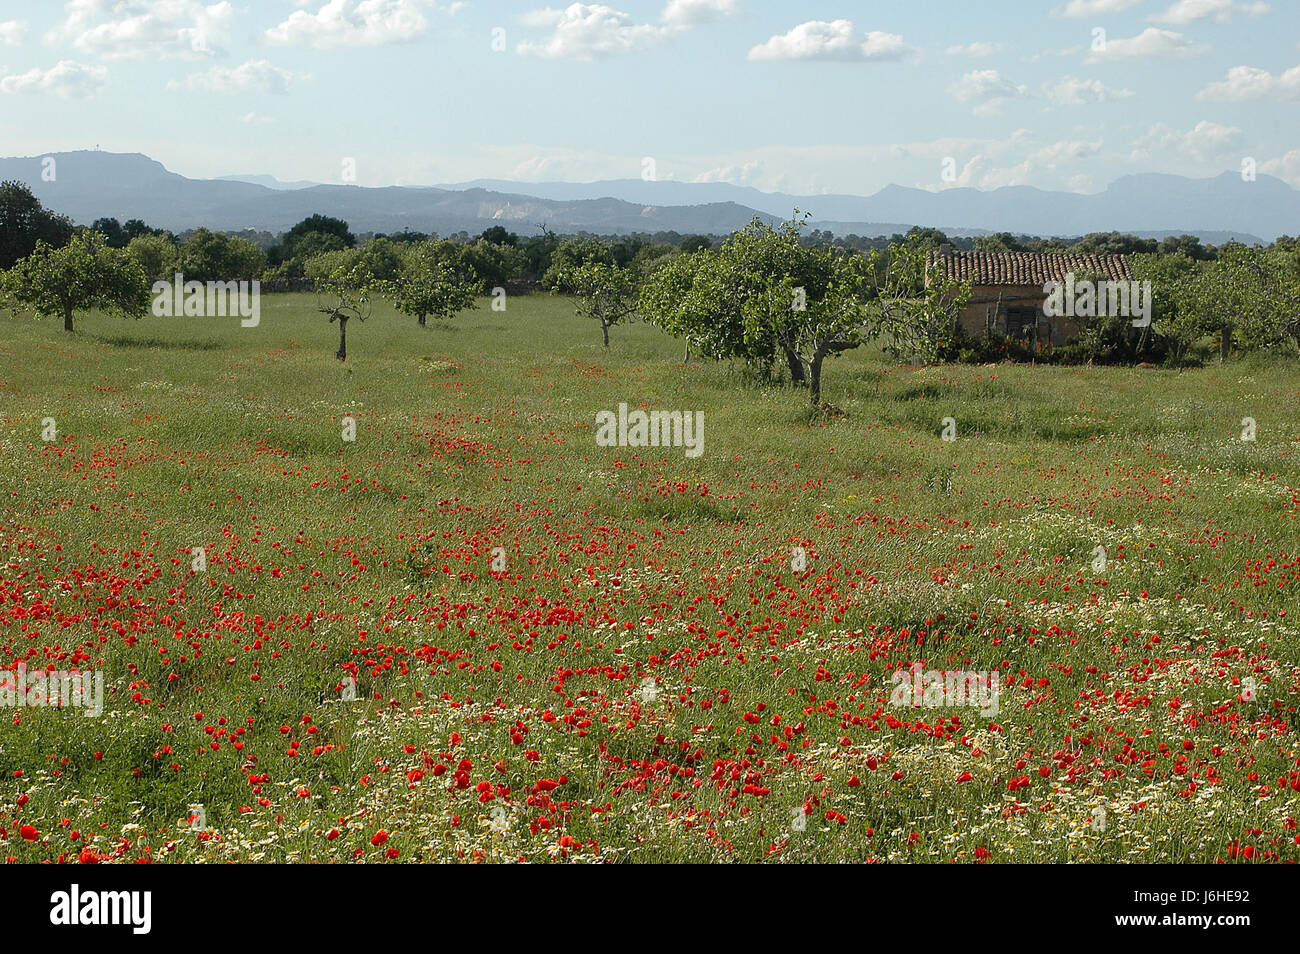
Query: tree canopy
point(432, 280)
point(24, 222)
point(214, 256)
point(606, 293)
point(81, 275)
point(766, 298)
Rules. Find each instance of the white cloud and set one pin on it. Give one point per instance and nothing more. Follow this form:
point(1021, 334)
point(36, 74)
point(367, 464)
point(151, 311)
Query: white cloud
point(836, 40)
point(689, 13)
point(805, 170)
point(967, 178)
point(1052, 157)
point(538, 169)
point(974, 157)
point(344, 23)
point(66, 78)
point(255, 119)
point(1189, 11)
point(255, 76)
point(1286, 168)
point(1068, 150)
point(554, 164)
point(1064, 51)
point(588, 32)
point(1247, 82)
point(978, 48)
point(987, 90)
point(144, 29)
point(1150, 44)
point(1096, 8)
point(1073, 91)
point(1206, 140)
point(745, 173)
point(12, 32)
point(594, 31)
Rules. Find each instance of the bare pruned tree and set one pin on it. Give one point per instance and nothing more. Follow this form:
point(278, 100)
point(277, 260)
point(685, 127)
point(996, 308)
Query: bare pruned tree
point(344, 294)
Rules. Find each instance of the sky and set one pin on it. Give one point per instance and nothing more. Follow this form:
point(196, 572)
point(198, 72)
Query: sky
point(800, 96)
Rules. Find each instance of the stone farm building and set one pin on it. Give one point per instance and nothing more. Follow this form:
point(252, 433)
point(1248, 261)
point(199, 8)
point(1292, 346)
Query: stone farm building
point(1007, 290)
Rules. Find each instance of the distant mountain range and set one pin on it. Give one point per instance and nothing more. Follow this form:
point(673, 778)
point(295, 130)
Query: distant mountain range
point(271, 182)
point(1150, 205)
point(91, 184)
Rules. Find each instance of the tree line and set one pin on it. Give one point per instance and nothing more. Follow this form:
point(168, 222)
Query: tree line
point(778, 299)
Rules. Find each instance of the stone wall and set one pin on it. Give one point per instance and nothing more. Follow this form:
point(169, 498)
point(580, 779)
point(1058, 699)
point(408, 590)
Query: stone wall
point(986, 313)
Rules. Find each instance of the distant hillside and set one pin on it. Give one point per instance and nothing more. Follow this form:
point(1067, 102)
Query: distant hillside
point(1150, 205)
point(271, 182)
point(90, 185)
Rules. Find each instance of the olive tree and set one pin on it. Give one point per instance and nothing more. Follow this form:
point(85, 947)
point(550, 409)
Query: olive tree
point(674, 299)
point(215, 256)
point(914, 303)
point(344, 293)
point(156, 254)
point(1172, 318)
point(1252, 292)
point(431, 280)
point(571, 253)
point(1246, 294)
point(81, 275)
point(606, 293)
point(764, 298)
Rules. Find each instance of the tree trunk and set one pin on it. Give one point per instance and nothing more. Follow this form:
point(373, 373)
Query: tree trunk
point(67, 319)
point(1225, 342)
point(815, 379)
point(795, 363)
point(686, 358)
point(605, 330)
point(421, 317)
point(343, 340)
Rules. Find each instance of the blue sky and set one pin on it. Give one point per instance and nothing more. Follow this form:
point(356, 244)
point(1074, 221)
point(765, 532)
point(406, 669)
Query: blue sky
point(804, 97)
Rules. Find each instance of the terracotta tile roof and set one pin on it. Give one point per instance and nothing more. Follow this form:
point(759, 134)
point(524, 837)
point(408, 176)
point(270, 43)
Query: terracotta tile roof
point(1026, 268)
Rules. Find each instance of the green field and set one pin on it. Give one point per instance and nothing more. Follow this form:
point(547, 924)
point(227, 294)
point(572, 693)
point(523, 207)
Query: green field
point(650, 678)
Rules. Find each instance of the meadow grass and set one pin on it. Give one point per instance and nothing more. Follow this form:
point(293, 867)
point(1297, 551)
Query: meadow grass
point(1121, 688)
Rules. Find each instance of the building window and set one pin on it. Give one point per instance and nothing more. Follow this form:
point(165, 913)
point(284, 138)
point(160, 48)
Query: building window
point(1022, 322)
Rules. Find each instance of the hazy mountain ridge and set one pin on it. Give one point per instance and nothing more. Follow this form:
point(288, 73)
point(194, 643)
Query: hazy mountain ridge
point(271, 182)
point(91, 184)
point(1149, 205)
